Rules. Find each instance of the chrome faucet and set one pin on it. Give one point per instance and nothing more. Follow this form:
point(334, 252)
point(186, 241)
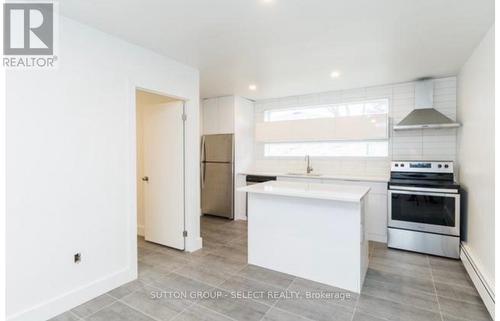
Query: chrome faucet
point(309, 169)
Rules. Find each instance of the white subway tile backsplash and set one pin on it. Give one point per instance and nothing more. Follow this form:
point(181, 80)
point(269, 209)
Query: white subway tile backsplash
point(445, 98)
point(272, 103)
point(402, 104)
point(259, 107)
point(445, 83)
point(404, 95)
point(354, 94)
point(441, 132)
point(407, 157)
point(403, 88)
point(440, 157)
point(309, 100)
point(446, 91)
point(379, 92)
point(429, 144)
point(330, 97)
point(289, 102)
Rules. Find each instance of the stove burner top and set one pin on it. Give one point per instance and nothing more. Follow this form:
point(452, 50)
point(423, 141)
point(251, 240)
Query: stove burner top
point(423, 174)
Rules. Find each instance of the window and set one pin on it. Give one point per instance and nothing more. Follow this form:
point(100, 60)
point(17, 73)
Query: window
point(327, 149)
point(357, 129)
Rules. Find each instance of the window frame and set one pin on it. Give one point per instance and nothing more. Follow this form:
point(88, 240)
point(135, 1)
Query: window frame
point(354, 102)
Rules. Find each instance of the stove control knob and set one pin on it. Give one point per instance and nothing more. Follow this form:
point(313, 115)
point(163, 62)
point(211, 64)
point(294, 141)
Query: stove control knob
point(402, 165)
point(446, 166)
point(439, 166)
point(397, 165)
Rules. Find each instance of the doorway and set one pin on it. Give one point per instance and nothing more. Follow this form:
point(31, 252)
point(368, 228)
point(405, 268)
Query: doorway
point(160, 169)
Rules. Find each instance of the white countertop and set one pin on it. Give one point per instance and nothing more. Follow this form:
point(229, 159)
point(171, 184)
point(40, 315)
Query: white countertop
point(332, 192)
point(366, 178)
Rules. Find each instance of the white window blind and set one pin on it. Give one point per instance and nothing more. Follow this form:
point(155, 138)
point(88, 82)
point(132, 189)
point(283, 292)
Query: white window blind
point(358, 129)
point(353, 121)
point(327, 149)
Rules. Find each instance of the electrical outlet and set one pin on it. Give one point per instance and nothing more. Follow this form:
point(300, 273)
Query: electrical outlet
point(77, 258)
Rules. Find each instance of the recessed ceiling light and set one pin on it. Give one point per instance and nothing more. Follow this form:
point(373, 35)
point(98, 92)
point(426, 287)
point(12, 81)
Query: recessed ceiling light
point(252, 87)
point(335, 74)
point(266, 1)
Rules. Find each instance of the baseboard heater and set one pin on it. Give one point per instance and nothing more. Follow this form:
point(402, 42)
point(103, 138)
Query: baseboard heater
point(483, 287)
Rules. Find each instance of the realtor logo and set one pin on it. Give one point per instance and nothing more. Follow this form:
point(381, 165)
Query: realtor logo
point(28, 38)
point(28, 28)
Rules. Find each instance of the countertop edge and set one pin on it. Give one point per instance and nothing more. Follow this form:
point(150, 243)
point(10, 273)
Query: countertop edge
point(326, 176)
point(249, 189)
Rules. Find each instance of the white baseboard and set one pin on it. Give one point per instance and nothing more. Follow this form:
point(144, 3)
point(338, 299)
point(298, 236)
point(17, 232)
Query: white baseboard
point(377, 238)
point(193, 244)
point(486, 290)
point(140, 230)
point(73, 298)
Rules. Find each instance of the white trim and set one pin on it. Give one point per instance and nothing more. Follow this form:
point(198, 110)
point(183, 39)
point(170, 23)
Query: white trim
point(140, 230)
point(377, 237)
point(132, 217)
point(69, 300)
point(483, 286)
point(422, 189)
point(193, 244)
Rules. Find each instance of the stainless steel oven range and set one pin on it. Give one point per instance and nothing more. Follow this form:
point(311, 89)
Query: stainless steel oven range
point(424, 208)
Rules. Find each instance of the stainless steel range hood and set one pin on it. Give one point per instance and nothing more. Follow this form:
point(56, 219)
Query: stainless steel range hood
point(424, 115)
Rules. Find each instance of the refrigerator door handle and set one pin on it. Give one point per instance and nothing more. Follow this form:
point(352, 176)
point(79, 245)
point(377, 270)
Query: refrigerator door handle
point(203, 170)
point(203, 148)
point(203, 165)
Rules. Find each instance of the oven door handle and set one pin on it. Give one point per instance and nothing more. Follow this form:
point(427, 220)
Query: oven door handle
point(391, 191)
point(422, 189)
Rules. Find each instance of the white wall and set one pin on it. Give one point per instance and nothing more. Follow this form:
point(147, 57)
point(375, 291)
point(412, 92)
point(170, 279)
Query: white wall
point(71, 169)
point(476, 109)
point(419, 144)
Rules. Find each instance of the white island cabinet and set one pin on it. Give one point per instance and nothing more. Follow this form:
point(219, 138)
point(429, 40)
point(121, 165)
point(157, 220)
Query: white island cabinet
point(313, 231)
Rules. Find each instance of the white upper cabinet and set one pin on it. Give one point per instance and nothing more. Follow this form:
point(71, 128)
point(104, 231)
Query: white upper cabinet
point(226, 114)
point(218, 115)
point(209, 114)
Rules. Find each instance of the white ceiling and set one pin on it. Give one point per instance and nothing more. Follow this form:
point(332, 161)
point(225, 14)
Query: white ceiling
point(290, 47)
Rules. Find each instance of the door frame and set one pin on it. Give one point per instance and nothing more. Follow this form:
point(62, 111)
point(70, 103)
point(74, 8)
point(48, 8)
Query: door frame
point(133, 258)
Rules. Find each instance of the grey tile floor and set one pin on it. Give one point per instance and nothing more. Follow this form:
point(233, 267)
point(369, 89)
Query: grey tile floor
point(399, 286)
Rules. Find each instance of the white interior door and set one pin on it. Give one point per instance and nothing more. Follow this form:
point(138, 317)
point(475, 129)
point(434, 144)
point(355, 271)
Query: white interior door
point(164, 167)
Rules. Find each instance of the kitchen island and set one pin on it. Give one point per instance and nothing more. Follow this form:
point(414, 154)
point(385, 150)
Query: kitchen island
point(313, 231)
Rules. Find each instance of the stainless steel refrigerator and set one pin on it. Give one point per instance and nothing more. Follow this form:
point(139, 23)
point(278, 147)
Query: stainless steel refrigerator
point(217, 175)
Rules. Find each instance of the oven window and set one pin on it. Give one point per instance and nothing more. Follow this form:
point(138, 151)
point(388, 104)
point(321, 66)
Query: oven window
point(436, 210)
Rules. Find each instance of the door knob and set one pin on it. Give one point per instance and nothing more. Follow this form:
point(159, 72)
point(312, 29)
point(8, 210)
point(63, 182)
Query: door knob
point(145, 179)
